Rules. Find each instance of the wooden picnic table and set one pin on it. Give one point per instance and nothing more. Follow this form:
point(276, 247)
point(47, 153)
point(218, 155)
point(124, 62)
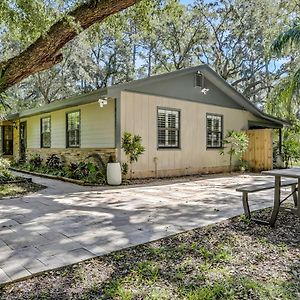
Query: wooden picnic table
point(278, 174)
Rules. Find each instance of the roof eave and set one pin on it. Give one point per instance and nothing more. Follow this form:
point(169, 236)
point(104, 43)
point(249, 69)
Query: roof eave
point(66, 103)
point(248, 105)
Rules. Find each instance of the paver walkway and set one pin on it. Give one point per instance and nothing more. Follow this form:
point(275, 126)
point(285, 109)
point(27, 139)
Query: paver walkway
point(66, 223)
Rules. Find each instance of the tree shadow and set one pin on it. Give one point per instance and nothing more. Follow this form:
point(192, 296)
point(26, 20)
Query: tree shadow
point(183, 264)
point(117, 222)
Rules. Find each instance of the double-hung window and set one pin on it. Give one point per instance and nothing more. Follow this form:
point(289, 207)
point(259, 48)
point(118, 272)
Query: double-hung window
point(214, 131)
point(7, 140)
point(168, 122)
point(73, 129)
point(46, 132)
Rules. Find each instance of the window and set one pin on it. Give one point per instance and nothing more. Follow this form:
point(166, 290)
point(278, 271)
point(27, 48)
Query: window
point(73, 129)
point(214, 129)
point(168, 128)
point(7, 140)
point(46, 132)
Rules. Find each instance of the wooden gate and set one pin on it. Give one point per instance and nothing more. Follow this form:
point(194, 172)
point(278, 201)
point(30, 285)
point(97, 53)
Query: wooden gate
point(260, 151)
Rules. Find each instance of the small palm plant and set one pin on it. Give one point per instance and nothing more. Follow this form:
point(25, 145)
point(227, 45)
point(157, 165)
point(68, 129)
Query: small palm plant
point(236, 143)
point(133, 148)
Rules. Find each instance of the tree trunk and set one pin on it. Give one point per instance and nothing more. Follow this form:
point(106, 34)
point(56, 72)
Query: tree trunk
point(130, 176)
point(44, 52)
point(149, 62)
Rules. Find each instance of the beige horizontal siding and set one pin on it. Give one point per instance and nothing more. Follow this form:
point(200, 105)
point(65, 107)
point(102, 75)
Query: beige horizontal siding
point(97, 127)
point(138, 116)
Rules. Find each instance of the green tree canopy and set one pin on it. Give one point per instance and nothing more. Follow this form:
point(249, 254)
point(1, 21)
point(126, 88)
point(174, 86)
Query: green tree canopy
point(39, 29)
point(286, 95)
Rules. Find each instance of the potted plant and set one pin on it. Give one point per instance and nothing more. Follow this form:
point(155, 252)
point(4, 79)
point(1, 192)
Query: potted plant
point(113, 172)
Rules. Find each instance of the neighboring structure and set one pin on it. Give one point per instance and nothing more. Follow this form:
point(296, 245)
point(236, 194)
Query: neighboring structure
point(182, 117)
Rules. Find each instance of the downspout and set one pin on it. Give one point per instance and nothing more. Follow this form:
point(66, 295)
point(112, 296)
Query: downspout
point(280, 142)
point(118, 128)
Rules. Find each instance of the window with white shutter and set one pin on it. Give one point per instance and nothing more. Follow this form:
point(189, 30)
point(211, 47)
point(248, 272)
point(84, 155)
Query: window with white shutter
point(168, 123)
point(214, 131)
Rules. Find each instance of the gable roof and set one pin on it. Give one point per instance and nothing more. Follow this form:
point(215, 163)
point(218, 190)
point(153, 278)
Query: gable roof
point(114, 91)
point(240, 98)
point(213, 77)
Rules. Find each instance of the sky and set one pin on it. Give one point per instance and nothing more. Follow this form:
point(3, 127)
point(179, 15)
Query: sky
point(186, 1)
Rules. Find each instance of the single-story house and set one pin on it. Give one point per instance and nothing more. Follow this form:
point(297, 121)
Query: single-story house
point(182, 117)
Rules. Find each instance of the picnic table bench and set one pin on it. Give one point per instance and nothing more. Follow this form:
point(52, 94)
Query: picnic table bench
point(248, 189)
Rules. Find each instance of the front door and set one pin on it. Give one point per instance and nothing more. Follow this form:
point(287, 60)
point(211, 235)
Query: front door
point(23, 141)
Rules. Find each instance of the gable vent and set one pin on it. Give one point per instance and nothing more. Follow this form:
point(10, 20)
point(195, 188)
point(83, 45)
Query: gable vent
point(199, 80)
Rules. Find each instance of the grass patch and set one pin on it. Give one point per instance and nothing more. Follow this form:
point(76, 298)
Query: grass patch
point(18, 189)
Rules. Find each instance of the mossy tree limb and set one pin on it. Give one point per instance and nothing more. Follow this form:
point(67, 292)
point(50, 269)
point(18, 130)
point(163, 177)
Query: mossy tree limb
point(45, 51)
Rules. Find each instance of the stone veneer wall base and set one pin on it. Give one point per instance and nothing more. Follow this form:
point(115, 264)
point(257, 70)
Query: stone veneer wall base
point(72, 155)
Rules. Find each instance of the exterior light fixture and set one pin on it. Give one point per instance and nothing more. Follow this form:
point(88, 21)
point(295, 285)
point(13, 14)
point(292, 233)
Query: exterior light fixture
point(204, 91)
point(14, 124)
point(200, 83)
point(102, 102)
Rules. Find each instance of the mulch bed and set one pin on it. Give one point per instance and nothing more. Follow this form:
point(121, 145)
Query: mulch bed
point(235, 259)
point(16, 180)
point(55, 177)
point(18, 187)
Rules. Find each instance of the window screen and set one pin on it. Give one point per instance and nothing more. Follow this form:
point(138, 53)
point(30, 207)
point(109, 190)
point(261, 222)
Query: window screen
point(168, 121)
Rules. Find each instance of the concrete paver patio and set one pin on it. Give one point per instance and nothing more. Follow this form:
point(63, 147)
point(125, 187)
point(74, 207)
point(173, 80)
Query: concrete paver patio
point(65, 223)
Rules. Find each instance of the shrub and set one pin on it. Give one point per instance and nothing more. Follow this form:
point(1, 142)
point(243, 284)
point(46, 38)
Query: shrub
point(124, 168)
point(54, 162)
point(36, 161)
point(96, 177)
point(98, 160)
point(81, 171)
point(236, 143)
point(244, 165)
point(87, 172)
point(290, 145)
point(5, 174)
point(133, 148)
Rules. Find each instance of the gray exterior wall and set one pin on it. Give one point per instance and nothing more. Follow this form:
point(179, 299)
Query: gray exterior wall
point(182, 87)
point(139, 116)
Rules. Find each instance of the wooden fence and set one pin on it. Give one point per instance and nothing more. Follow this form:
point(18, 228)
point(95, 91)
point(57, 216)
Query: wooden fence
point(260, 151)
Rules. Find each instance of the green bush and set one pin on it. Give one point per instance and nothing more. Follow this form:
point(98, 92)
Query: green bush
point(244, 165)
point(88, 172)
point(5, 174)
point(236, 143)
point(35, 161)
point(124, 168)
point(84, 171)
point(54, 162)
point(133, 148)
